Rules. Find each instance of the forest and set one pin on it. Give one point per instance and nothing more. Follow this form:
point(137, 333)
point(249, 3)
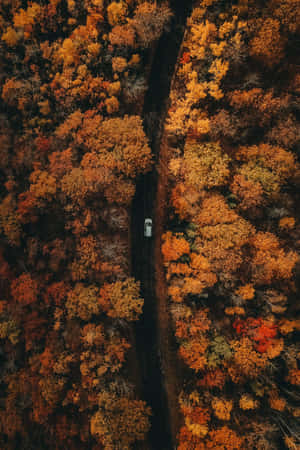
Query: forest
point(216, 151)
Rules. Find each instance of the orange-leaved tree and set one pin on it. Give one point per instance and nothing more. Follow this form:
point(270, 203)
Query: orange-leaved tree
point(24, 289)
point(119, 421)
point(122, 299)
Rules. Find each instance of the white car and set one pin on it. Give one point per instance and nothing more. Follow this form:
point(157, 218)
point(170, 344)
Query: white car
point(148, 227)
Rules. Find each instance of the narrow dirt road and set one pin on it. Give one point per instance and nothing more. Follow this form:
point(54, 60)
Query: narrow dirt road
point(151, 330)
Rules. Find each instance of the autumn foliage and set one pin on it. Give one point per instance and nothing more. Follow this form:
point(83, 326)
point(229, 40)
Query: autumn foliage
point(233, 174)
point(72, 147)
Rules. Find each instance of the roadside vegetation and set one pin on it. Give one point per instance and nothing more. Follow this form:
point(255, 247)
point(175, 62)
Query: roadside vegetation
point(230, 246)
point(72, 84)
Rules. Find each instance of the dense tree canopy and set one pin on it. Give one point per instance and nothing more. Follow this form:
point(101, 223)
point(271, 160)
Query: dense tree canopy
point(73, 146)
point(72, 83)
point(233, 171)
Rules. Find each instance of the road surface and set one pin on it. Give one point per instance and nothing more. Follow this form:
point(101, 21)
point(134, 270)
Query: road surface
point(148, 344)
